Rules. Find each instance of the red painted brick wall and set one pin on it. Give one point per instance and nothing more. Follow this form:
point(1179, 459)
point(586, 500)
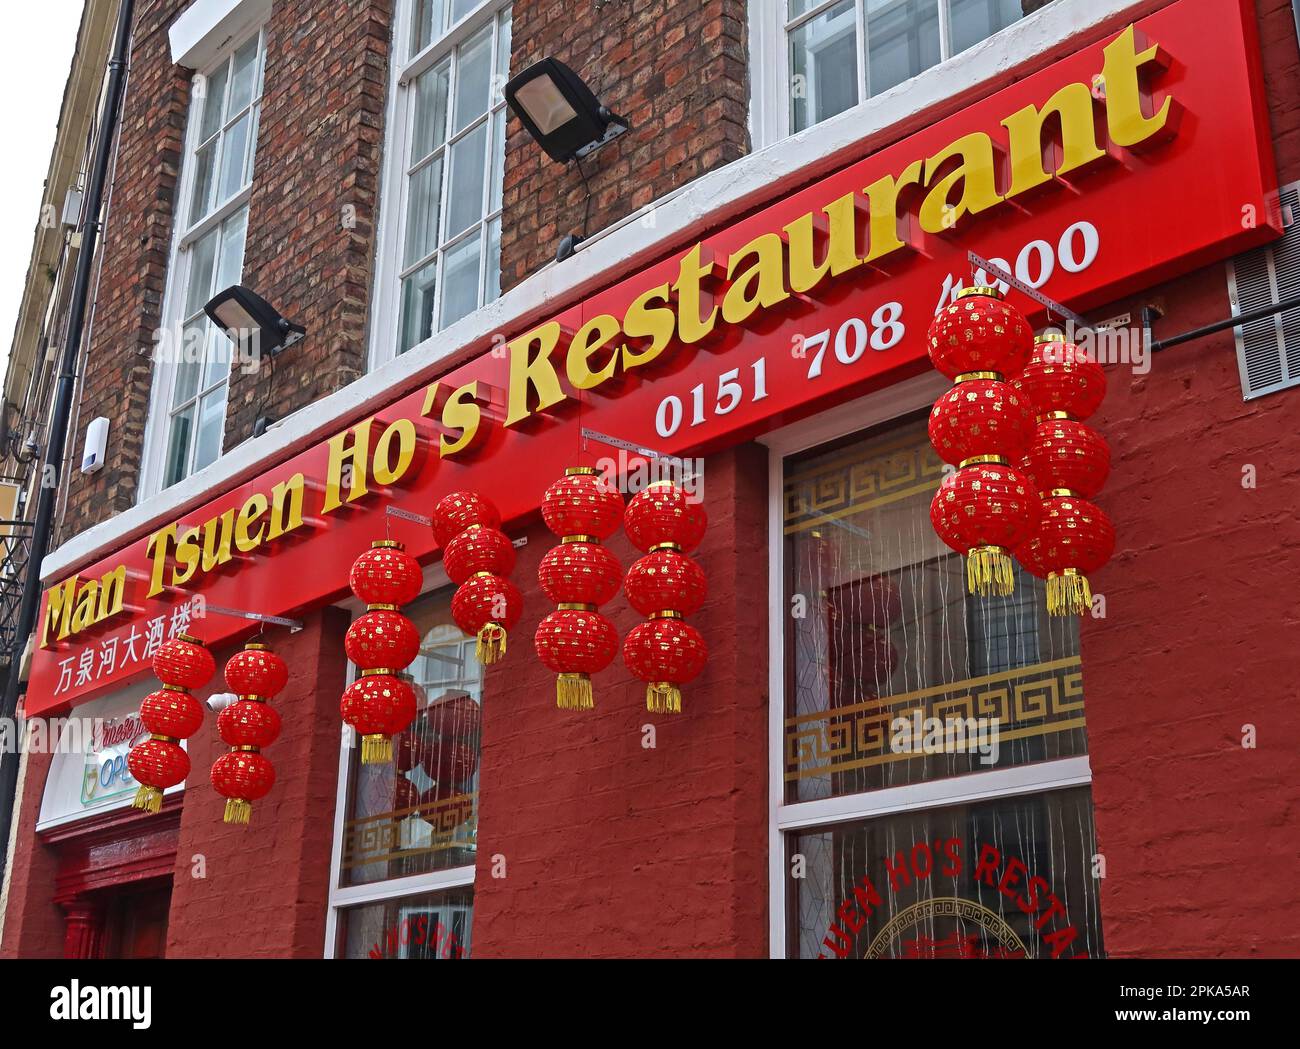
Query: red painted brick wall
point(1201, 837)
point(266, 884)
point(611, 849)
point(676, 70)
point(33, 923)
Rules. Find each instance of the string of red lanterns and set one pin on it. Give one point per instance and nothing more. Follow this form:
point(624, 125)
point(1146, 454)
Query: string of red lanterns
point(987, 508)
point(666, 585)
point(170, 714)
point(1068, 462)
point(244, 774)
point(382, 642)
point(576, 641)
point(477, 557)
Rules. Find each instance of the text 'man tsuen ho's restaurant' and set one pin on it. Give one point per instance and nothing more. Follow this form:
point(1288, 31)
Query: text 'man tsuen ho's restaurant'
point(540, 785)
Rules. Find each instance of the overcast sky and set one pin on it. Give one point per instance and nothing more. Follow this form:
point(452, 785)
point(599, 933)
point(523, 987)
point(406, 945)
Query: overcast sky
point(32, 75)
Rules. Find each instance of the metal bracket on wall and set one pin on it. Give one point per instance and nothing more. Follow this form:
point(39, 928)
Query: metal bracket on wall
point(1150, 315)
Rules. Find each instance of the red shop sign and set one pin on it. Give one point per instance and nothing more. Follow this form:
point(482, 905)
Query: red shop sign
point(1155, 158)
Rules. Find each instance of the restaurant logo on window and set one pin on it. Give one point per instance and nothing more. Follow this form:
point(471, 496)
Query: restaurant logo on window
point(950, 926)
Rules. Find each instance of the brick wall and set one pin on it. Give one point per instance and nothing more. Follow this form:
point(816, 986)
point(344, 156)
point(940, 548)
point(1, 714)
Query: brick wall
point(676, 70)
point(266, 884)
point(311, 221)
point(134, 254)
point(33, 922)
point(612, 849)
point(1201, 836)
point(311, 227)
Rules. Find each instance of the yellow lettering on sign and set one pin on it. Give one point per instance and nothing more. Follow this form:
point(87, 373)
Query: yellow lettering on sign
point(252, 510)
point(1126, 123)
point(840, 253)
point(533, 374)
point(347, 466)
point(976, 175)
point(645, 322)
point(461, 412)
point(595, 335)
point(1073, 105)
point(388, 471)
point(760, 286)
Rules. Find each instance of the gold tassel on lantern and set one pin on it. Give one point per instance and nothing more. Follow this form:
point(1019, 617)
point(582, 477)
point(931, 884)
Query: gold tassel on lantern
point(663, 697)
point(573, 692)
point(1068, 593)
point(491, 644)
point(990, 571)
point(376, 750)
point(238, 810)
point(148, 798)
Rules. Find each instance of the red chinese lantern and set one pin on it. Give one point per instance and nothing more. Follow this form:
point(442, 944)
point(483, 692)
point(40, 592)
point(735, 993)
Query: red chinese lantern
point(665, 513)
point(666, 653)
point(244, 775)
point(579, 571)
point(480, 548)
point(980, 332)
point(981, 416)
point(455, 718)
point(665, 578)
point(1066, 454)
point(478, 556)
point(382, 637)
point(1069, 462)
point(583, 503)
point(380, 643)
point(1073, 539)
point(458, 511)
point(1061, 377)
point(576, 641)
point(378, 706)
point(665, 585)
point(487, 607)
point(984, 511)
point(386, 575)
point(170, 715)
point(986, 508)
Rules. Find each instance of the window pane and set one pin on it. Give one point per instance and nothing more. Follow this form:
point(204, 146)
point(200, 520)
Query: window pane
point(465, 191)
point(430, 112)
point(824, 66)
point(473, 79)
point(216, 367)
point(503, 56)
point(213, 93)
point(493, 277)
point(204, 162)
point(231, 263)
point(897, 676)
point(419, 813)
point(460, 8)
point(437, 925)
point(212, 412)
point(1002, 879)
point(243, 80)
point(417, 306)
point(233, 145)
point(423, 207)
point(460, 280)
point(190, 356)
point(976, 20)
point(178, 447)
point(251, 147)
point(427, 23)
point(902, 41)
point(199, 279)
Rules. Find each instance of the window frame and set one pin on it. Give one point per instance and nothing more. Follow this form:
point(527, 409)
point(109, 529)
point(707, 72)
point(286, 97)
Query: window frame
point(345, 897)
point(769, 62)
point(186, 235)
point(785, 819)
point(385, 328)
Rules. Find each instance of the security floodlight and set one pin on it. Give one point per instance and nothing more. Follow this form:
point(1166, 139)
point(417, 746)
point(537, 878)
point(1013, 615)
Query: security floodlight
point(560, 111)
point(240, 313)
